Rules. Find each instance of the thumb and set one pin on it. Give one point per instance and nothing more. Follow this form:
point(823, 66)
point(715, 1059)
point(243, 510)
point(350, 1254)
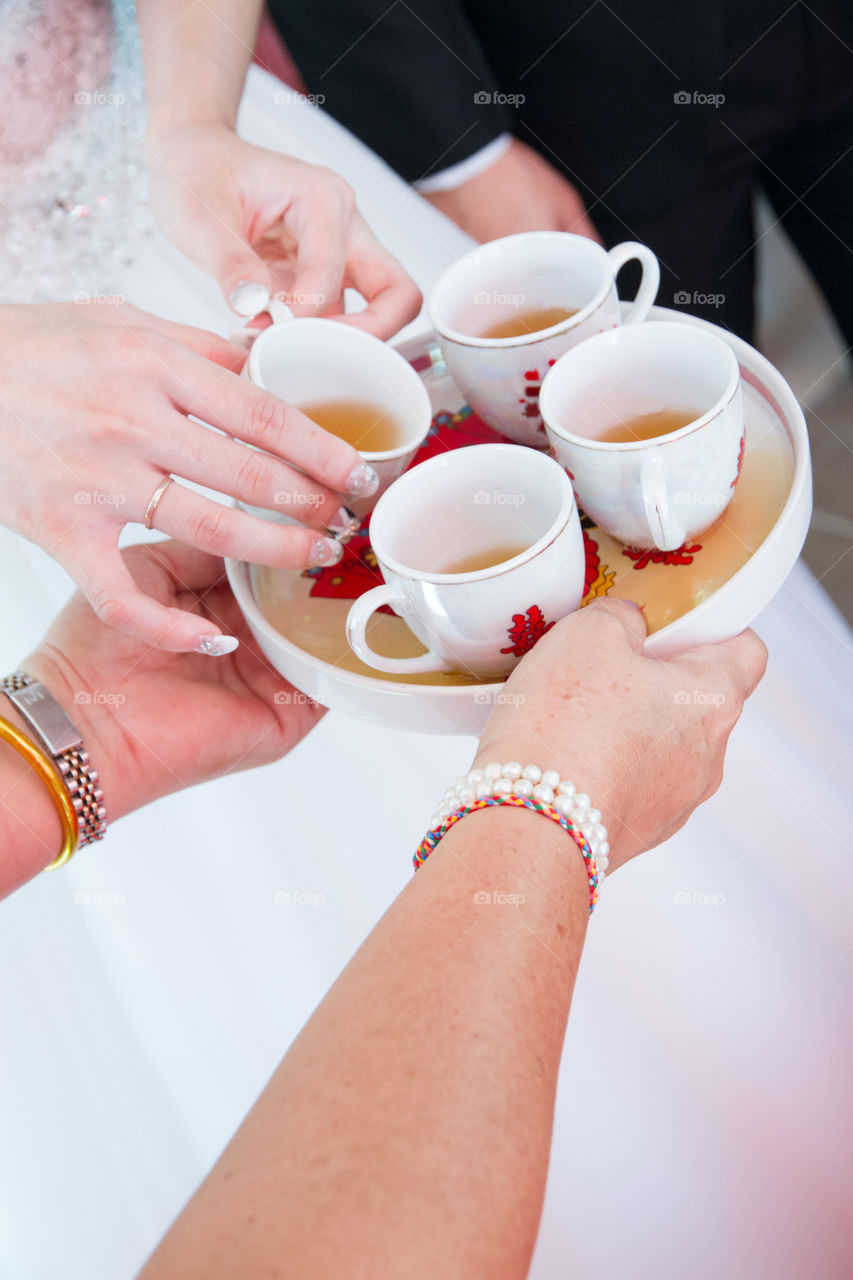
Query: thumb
point(627, 612)
point(742, 659)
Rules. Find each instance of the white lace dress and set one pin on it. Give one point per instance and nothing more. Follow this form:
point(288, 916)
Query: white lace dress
point(72, 207)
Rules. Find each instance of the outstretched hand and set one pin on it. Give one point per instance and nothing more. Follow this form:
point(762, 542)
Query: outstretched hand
point(156, 722)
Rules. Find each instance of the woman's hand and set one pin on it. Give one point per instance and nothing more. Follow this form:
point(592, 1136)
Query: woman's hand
point(643, 737)
point(521, 191)
point(94, 405)
point(251, 217)
point(156, 722)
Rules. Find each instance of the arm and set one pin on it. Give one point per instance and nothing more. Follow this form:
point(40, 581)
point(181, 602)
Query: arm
point(28, 820)
point(246, 215)
point(168, 720)
point(196, 59)
point(406, 1133)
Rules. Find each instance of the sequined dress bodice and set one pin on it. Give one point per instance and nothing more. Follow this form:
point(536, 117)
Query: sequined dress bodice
point(72, 208)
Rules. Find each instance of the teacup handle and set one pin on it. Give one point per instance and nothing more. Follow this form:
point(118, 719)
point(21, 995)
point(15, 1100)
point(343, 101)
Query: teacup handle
point(667, 534)
point(648, 290)
point(357, 620)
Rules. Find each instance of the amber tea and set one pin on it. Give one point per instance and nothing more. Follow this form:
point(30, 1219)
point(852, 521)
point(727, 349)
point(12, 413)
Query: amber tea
point(367, 427)
point(531, 321)
point(647, 426)
point(483, 559)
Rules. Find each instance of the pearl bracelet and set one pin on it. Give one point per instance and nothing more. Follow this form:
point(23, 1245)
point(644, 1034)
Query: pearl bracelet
point(532, 788)
point(531, 782)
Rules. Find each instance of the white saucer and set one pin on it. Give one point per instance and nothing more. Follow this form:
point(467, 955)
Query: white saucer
point(773, 417)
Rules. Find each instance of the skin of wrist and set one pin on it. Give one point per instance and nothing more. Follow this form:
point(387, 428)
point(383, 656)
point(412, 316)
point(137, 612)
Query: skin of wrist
point(95, 720)
point(166, 123)
point(591, 773)
point(509, 851)
point(24, 803)
point(190, 88)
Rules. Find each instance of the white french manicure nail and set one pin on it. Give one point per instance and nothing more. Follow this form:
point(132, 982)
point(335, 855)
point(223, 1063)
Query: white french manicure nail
point(345, 524)
point(363, 481)
point(216, 646)
point(325, 551)
point(249, 298)
point(243, 337)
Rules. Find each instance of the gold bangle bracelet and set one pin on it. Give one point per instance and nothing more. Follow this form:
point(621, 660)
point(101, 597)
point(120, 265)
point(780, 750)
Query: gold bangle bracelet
point(43, 766)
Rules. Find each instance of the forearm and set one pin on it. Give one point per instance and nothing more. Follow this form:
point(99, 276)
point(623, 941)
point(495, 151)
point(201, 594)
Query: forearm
point(407, 1131)
point(31, 830)
point(196, 57)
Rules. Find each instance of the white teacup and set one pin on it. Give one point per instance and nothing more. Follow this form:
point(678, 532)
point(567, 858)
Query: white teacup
point(663, 491)
point(305, 360)
point(460, 506)
point(501, 377)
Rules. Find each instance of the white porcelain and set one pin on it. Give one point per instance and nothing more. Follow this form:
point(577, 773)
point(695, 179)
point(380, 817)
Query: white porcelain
point(501, 377)
point(304, 359)
point(648, 493)
point(460, 504)
point(463, 709)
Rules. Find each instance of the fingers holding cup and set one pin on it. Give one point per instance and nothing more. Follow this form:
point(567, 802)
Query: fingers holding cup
point(262, 418)
point(255, 477)
point(351, 391)
point(227, 532)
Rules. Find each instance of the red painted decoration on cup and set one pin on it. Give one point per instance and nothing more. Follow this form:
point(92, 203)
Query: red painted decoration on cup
point(525, 630)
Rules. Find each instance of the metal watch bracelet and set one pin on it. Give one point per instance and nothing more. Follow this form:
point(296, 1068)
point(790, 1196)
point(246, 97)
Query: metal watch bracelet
point(64, 744)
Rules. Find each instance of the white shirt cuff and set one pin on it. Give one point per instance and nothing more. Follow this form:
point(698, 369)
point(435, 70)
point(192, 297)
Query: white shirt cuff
point(447, 179)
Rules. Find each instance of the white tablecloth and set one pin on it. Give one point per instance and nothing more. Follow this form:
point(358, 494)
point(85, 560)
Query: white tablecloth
point(704, 1120)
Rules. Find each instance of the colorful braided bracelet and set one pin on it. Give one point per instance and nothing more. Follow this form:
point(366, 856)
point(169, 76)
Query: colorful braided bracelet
point(526, 787)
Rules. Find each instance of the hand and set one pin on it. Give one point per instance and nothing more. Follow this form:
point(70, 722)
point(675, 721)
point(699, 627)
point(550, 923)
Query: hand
point(162, 722)
point(519, 192)
point(93, 415)
point(250, 216)
point(644, 737)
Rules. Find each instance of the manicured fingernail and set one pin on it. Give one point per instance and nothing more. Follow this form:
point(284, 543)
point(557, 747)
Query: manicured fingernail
point(249, 298)
point(325, 551)
point(345, 524)
point(243, 337)
point(363, 481)
point(216, 646)
point(633, 604)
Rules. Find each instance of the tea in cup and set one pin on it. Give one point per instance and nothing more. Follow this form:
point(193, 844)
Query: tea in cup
point(481, 551)
point(351, 384)
point(506, 311)
point(649, 424)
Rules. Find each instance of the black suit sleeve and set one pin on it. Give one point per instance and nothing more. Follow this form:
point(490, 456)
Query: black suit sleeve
point(409, 78)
